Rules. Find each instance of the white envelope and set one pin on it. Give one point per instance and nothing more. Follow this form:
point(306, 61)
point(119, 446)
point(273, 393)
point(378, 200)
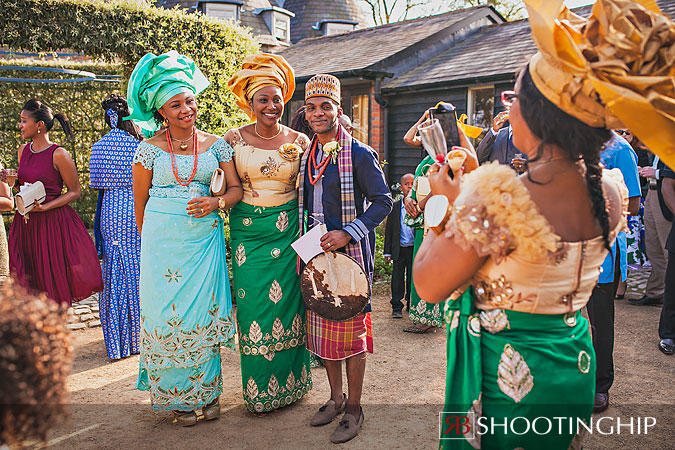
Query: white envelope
point(309, 245)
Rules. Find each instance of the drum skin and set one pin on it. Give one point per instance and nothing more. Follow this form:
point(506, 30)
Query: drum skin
point(335, 287)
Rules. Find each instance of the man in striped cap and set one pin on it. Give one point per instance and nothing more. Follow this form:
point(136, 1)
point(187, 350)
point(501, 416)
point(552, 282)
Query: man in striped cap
point(337, 177)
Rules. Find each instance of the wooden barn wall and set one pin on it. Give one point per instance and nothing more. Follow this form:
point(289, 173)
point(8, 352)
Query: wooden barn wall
point(404, 110)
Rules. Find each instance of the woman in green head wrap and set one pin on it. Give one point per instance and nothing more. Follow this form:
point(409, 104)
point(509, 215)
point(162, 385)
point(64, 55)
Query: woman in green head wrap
point(186, 308)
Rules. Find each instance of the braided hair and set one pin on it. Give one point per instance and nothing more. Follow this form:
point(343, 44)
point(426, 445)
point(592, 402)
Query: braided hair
point(119, 105)
point(43, 113)
point(578, 140)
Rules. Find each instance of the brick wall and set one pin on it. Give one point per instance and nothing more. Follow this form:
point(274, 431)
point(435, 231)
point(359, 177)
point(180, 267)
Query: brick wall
point(376, 125)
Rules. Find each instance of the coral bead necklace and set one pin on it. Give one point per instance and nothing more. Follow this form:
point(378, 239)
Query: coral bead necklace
point(173, 158)
point(311, 163)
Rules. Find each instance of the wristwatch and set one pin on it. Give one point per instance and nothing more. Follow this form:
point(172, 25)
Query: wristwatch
point(221, 203)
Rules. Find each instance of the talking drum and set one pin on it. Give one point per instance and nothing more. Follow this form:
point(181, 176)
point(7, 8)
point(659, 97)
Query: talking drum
point(335, 286)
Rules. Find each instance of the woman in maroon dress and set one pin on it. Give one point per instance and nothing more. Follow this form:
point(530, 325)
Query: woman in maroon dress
point(49, 248)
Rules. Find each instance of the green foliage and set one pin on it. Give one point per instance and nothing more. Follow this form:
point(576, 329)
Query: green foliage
point(382, 269)
point(81, 102)
point(114, 35)
point(125, 31)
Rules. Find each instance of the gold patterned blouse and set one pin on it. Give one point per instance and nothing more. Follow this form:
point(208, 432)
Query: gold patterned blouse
point(530, 268)
point(268, 177)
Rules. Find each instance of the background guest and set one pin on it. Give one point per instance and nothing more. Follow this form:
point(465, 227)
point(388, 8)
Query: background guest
point(425, 317)
point(635, 234)
point(618, 154)
point(658, 220)
point(399, 241)
point(497, 145)
point(346, 123)
point(667, 321)
point(6, 204)
point(300, 124)
point(50, 250)
point(120, 243)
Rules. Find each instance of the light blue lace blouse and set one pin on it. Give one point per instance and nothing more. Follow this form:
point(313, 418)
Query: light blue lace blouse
point(164, 183)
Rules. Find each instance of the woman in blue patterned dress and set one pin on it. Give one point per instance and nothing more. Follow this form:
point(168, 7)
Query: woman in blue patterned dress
point(118, 242)
point(186, 307)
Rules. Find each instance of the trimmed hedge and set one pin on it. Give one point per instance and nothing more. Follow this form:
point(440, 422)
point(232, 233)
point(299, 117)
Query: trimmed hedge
point(122, 31)
point(114, 35)
point(80, 101)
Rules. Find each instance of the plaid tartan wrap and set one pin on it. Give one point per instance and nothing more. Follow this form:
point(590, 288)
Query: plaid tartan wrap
point(346, 171)
point(325, 338)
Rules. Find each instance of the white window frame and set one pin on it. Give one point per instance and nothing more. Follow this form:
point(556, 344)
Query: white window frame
point(225, 11)
point(331, 28)
point(471, 92)
point(286, 21)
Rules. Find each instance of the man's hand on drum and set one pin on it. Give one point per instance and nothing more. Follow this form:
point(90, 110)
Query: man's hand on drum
point(334, 240)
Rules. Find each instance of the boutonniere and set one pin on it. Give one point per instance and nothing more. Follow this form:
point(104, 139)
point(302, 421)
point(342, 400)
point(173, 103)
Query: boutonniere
point(290, 151)
point(332, 149)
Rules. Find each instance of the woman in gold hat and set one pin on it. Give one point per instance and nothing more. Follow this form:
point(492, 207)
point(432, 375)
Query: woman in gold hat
point(270, 316)
point(519, 256)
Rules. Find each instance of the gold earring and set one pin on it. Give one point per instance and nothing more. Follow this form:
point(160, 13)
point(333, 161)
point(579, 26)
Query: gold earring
point(165, 124)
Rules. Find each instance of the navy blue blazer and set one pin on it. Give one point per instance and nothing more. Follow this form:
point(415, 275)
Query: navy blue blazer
point(369, 184)
point(497, 147)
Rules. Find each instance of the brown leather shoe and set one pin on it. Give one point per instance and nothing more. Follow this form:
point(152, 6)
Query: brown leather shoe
point(347, 429)
point(328, 412)
point(185, 418)
point(212, 410)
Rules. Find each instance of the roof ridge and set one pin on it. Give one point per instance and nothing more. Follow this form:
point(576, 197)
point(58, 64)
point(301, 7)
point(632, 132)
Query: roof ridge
point(390, 25)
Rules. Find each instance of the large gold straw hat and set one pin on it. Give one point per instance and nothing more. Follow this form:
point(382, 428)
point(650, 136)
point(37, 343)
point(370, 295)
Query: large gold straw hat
point(614, 69)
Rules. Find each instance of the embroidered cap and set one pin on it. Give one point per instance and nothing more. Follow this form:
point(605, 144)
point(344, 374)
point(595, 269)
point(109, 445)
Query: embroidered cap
point(323, 85)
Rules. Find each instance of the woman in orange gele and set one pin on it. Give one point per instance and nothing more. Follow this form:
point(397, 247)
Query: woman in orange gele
point(275, 369)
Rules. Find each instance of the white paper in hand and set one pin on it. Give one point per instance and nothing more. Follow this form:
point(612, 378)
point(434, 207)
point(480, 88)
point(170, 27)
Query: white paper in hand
point(309, 245)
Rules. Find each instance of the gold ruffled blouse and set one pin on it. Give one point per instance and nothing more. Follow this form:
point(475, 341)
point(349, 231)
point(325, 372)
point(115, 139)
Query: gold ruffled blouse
point(530, 269)
point(268, 177)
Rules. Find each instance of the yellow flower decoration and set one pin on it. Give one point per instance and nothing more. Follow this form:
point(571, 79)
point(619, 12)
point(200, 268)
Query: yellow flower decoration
point(290, 151)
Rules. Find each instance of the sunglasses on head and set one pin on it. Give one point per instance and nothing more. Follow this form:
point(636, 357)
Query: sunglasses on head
point(508, 97)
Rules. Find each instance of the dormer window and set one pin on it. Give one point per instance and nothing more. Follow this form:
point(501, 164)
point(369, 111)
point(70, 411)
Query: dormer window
point(278, 21)
point(282, 27)
point(329, 27)
point(222, 9)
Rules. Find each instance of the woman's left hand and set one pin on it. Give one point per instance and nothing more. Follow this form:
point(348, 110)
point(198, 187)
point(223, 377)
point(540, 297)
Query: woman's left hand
point(40, 208)
point(202, 206)
point(442, 184)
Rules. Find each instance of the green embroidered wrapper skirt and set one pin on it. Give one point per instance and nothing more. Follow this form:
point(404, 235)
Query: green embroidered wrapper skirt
point(421, 311)
point(275, 368)
point(513, 367)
